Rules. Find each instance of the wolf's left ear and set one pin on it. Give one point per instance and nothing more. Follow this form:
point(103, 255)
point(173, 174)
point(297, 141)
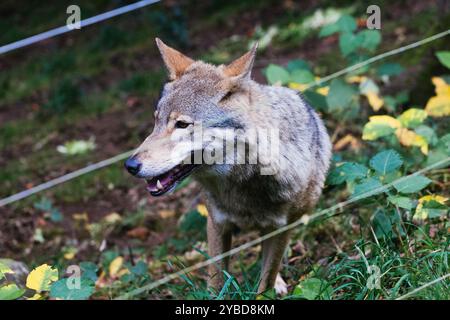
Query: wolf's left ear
point(175, 61)
point(242, 67)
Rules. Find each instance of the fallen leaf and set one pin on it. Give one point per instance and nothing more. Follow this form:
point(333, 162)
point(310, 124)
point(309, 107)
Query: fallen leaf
point(165, 214)
point(112, 218)
point(138, 232)
point(115, 265)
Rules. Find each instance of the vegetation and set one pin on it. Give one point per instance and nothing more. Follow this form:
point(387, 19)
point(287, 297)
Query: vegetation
point(86, 96)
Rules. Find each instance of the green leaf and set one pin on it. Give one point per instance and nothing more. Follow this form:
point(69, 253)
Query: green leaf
point(11, 292)
point(312, 289)
point(375, 130)
point(140, 269)
point(316, 99)
point(389, 69)
point(431, 209)
point(428, 133)
point(348, 43)
point(412, 184)
point(444, 58)
point(346, 23)
point(89, 270)
point(348, 171)
point(369, 39)
point(368, 86)
point(65, 289)
point(367, 188)
point(328, 30)
point(298, 64)
point(387, 224)
point(4, 269)
point(386, 161)
point(412, 118)
point(340, 95)
point(402, 202)
point(277, 74)
point(302, 76)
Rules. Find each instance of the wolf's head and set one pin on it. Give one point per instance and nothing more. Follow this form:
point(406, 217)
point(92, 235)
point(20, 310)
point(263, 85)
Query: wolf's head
point(197, 93)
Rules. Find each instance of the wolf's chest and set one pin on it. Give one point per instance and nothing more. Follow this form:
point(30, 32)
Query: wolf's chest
point(247, 207)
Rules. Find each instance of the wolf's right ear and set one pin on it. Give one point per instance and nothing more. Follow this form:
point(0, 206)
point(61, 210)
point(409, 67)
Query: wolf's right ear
point(242, 67)
point(175, 61)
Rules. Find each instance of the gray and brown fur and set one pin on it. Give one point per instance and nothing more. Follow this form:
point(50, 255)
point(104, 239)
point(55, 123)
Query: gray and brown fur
point(238, 195)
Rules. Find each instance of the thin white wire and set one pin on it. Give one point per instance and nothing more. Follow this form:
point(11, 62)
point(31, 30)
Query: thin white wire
point(376, 58)
point(90, 168)
point(426, 285)
point(86, 22)
point(64, 178)
point(303, 220)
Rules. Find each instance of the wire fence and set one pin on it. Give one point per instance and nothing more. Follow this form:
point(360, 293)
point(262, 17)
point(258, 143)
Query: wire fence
point(90, 168)
point(304, 220)
point(83, 23)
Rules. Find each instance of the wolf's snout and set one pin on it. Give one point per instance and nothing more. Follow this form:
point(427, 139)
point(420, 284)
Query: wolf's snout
point(133, 165)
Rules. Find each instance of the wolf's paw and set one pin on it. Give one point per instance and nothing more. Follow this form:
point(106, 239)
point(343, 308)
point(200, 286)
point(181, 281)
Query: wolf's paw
point(280, 286)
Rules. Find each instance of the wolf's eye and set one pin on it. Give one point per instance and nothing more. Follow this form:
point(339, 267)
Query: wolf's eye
point(181, 124)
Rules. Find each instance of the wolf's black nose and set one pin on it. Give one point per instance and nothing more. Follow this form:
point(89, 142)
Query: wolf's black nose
point(133, 166)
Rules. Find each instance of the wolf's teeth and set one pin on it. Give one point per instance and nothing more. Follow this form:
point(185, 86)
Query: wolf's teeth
point(158, 184)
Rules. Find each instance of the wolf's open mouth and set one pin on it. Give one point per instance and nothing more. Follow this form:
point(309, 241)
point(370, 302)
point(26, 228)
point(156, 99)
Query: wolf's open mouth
point(165, 182)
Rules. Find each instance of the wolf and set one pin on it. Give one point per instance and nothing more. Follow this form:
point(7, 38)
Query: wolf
point(238, 195)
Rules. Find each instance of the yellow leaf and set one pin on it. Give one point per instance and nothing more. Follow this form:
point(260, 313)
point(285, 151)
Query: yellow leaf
point(409, 138)
point(298, 86)
point(387, 120)
point(115, 266)
point(422, 214)
point(442, 88)
point(323, 91)
point(41, 277)
point(165, 214)
point(347, 140)
point(412, 117)
point(374, 100)
point(112, 218)
point(356, 79)
point(379, 126)
point(69, 255)
point(122, 272)
point(439, 105)
point(201, 208)
point(432, 197)
point(81, 217)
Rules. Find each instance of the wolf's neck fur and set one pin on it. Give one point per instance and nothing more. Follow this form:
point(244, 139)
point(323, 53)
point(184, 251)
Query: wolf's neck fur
point(247, 197)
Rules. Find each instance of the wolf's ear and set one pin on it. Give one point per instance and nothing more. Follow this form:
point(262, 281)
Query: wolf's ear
point(242, 67)
point(175, 61)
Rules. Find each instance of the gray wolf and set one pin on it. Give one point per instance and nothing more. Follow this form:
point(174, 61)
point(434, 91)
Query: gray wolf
point(221, 98)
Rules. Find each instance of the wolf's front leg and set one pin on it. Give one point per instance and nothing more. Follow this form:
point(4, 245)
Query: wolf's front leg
point(219, 241)
point(272, 253)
